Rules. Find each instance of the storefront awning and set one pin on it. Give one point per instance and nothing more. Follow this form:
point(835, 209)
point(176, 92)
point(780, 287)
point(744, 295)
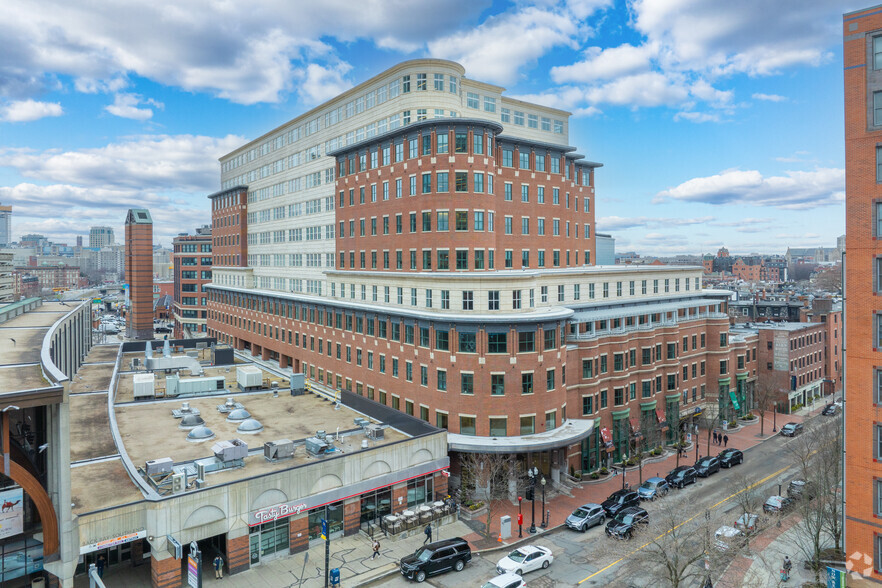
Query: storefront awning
point(635, 427)
point(660, 417)
point(606, 437)
point(569, 433)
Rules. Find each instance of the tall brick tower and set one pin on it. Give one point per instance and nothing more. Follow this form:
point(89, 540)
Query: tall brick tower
point(139, 273)
point(862, 56)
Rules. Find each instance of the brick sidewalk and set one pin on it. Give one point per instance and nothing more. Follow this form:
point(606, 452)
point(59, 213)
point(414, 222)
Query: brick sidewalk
point(562, 505)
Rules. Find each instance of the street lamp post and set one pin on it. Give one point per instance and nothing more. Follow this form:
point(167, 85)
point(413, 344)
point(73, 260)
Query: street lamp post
point(533, 473)
point(542, 483)
point(775, 418)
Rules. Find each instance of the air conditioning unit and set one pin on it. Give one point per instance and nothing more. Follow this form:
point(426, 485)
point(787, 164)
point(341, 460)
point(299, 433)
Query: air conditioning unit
point(316, 447)
point(279, 449)
point(178, 483)
point(162, 465)
point(230, 450)
point(374, 432)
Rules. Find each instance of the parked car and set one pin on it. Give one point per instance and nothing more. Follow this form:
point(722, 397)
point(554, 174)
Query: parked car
point(706, 466)
point(525, 559)
point(747, 523)
point(681, 476)
point(653, 488)
point(436, 558)
point(777, 504)
point(626, 522)
point(730, 457)
point(586, 516)
point(618, 500)
point(507, 580)
point(791, 429)
point(801, 488)
point(830, 410)
point(726, 538)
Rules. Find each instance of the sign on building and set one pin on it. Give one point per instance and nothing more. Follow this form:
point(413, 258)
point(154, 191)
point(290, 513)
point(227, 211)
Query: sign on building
point(11, 512)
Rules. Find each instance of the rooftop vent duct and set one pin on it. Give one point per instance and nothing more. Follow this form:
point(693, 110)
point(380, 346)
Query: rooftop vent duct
point(200, 434)
point(237, 415)
point(250, 427)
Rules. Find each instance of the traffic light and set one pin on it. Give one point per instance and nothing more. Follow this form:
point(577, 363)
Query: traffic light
point(530, 493)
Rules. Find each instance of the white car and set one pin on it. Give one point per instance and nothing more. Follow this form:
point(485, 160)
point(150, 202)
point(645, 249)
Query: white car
point(525, 559)
point(506, 581)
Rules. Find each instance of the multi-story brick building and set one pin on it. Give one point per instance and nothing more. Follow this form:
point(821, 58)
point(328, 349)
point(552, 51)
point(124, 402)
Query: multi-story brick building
point(792, 359)
point(139, 273)
point(862, 56)
point(427, 242)
point(192, 260)
point(829, 313)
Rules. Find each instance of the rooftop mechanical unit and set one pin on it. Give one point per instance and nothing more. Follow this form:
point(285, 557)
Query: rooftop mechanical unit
point(229, 406)
point(279, 449)
point(298, 384)
point(184, 410)
point(230, 450)
point(374, 432)
point(163, 465)
point(221, 354)
point(360, 422)
point(249, 377)
point(144, 386)
point(174, 386)
point(316, 447)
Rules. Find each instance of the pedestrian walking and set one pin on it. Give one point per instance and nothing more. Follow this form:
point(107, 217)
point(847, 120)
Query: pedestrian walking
point(376, 546)
point(785, 572)
point(725, 440)
point(428, 533)
point(99, 565)
point(715, 437)
point(218, 567)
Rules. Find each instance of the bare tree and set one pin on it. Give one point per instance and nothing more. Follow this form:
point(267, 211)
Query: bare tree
point(711, 415)
point(673, 552)
point(486, 477)
point(749, 499)
point(765, 395)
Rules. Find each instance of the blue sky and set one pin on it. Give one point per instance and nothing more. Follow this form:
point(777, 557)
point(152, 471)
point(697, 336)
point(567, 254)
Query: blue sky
point(719, 124)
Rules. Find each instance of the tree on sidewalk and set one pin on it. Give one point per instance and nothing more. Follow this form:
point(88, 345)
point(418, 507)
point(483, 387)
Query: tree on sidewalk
point(671, 551)
point(485, 478)
point(765, 396)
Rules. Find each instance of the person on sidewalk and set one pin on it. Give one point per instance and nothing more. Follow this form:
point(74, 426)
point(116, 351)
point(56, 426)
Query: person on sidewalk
point(715, 437)
point(785, 572)
point(725, 440)
point(99, 565)
point(376, 546)
point(428, 533)
point(218, 567)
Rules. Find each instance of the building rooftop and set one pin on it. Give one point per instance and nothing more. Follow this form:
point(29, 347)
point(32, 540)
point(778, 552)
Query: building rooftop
point(784, 326)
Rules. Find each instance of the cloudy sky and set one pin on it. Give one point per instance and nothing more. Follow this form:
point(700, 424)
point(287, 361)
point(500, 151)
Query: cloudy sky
point(718, 123)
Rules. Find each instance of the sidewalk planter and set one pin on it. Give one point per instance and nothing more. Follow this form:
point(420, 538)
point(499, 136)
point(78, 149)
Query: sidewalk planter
point(466, 513)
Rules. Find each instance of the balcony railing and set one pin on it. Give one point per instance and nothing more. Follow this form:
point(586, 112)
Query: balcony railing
point(588, 336)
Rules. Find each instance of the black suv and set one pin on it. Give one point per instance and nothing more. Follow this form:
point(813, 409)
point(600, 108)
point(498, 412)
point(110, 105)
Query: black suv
point(626, 522)
point(436, 558)
point(801, 489)
point(620, 499)
point(681, 476)
point(730, 457)
point(706, 466)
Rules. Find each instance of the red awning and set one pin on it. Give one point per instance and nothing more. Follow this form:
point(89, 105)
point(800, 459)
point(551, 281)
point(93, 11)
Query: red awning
point(635, 426)
point(659, 415)
point(606, 435)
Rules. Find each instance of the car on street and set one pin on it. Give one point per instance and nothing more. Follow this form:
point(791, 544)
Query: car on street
point(507, 580)
point(730, 457)
point(777, 504)
point(801, 489)
point(586, 516)
point(830, 410)
point(525, 559)
point(627, 522)
point(747, 523)
point(791, 429)
point(726, 538)
point(620, 499)
point(706, 466)
point(436, 558)
point(681, 476)
point(653, 488)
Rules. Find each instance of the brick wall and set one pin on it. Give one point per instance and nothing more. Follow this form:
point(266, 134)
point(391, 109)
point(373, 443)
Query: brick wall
point(165, 573)
point(238, 554)
point(351, 516)
point(298, 534)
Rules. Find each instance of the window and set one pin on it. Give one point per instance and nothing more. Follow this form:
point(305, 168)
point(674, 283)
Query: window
point(467, 342)
point(498, 427)
point(603, 399)
point(523, 159)
point(442, 380)
point(462, 181)
point(462, 259)
point(877, 108)
point(442, 182)
point(549, 379)
point(445, 299)
point(528, 425)
point(550, 336)
point(497, 342)
point(467, 425)
point(472, 100)
point(516, 299)
point(527, 383)
point(442, 142)
point(493, 300)
point(507, 157)
point(527, 342)
point(489, 104)
point(468, 300)
point(479, 220)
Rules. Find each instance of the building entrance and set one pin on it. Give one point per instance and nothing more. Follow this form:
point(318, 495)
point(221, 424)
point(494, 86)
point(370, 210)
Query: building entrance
point(268, 541)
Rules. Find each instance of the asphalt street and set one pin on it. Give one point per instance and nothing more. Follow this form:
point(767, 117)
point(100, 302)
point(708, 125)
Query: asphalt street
point(592, 559)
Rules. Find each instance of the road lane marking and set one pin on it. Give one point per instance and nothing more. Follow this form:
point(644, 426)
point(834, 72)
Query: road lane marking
point(731, 496)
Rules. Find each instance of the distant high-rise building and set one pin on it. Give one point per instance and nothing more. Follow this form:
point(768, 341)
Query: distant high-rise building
point(100, 237)
point(139, 273)
point(5, 225)
point(79, 240)
point(192, 263)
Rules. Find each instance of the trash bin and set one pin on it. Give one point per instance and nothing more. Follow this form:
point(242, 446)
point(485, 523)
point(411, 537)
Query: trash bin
point(505, 527)
point(335, 576)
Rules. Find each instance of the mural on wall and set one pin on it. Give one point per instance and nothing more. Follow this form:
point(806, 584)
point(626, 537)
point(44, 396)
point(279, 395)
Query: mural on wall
point(11, 512)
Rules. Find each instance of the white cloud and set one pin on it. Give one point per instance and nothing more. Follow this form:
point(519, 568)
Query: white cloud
point(697, 117)
point(604, 64)
point(323, 83)
point(495, 50)
point(150, 162)
point(612, 223)
point(646, 89)
point(29, 110)
point(795, 190)
point(126, 106)
point(768, 97)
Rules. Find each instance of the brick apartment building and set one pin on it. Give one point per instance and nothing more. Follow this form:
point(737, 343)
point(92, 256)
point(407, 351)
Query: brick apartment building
point(791, 357)
point(139, 273)
point(192, 261)
point(862, 56)
point(426, 242)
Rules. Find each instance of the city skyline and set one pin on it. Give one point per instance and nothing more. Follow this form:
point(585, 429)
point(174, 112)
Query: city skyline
point(106, 120)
